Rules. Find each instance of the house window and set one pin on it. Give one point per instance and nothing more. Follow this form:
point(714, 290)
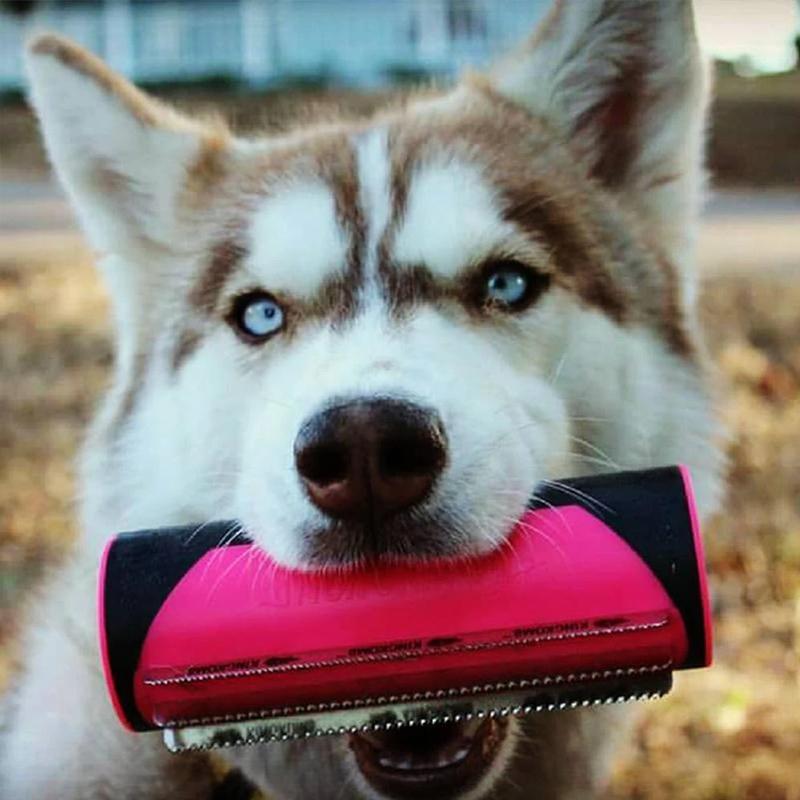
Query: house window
point(466, 19)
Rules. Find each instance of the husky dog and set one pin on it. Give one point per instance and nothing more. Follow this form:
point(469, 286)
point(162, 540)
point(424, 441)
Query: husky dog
point(370, 340)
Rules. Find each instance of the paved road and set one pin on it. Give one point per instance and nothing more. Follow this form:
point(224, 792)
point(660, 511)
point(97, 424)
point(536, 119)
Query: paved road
point(746, 232)
point(742, 231)
point(33, 207)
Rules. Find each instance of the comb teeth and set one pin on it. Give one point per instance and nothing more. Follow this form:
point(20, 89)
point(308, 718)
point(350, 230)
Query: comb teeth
point(515, 698)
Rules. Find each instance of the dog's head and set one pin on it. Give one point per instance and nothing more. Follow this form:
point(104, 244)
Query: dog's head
point(373, 339)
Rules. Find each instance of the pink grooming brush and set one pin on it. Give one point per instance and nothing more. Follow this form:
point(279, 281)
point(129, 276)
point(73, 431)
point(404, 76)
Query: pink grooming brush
point(599, 597)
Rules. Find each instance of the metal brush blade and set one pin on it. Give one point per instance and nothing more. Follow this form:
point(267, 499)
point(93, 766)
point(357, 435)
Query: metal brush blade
point(455, 705)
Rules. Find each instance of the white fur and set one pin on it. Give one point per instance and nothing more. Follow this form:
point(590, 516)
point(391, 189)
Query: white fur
point(122, 175)
point(373, 170)
point(453, 222)
point(296, 258)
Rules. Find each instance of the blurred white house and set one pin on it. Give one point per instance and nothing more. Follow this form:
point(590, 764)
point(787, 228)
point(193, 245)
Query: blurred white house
point(262, 42)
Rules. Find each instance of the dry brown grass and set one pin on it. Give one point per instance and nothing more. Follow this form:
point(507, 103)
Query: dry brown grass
point(54, 359)
point(733, 732)
point(729, 733)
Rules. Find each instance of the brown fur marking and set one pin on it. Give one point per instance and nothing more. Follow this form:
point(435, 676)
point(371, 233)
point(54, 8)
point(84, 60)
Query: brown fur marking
point(226, 256)
point(340, 171)
point(186, 344)
point(407, 286)
point(672, 316)
point(614, 120)
point(207, 171)
point(130, 395)
point(579, 265)
point(145, 109)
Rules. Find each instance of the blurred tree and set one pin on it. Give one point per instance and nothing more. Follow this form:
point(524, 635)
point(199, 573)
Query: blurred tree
point(797, 43)
point(18, 7)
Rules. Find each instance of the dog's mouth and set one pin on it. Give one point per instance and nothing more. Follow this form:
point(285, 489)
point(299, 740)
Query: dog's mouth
point(440, 761)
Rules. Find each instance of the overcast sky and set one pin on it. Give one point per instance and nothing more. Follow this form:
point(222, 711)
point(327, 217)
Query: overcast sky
point(762, 29)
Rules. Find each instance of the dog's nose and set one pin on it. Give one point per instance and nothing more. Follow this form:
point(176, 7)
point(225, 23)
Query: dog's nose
point(370, 458)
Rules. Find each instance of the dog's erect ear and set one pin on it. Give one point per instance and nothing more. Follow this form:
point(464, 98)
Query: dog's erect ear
point(123, 157)
point(623, 80)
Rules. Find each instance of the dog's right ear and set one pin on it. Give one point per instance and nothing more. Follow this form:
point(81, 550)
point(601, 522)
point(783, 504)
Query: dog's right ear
point(122, 156)
point(623, 81)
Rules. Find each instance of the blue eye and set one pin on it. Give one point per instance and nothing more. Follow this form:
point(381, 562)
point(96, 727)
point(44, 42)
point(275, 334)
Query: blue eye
point(506, 286)
point(511, 286)
point(257, 315)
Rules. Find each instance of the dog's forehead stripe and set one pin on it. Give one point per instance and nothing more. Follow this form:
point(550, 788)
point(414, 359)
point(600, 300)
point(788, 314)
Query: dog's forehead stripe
point(374, 197)
point(337, 165)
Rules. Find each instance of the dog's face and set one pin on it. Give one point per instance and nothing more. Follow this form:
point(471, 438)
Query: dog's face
point(372, 339)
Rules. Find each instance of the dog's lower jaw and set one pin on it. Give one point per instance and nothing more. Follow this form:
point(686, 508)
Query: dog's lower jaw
point(327, 770)
point(486, 781)
point(563, 755)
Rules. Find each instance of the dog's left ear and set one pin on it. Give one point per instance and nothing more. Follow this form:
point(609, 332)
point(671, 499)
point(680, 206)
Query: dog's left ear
point(624, 81)
point(123, 156)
